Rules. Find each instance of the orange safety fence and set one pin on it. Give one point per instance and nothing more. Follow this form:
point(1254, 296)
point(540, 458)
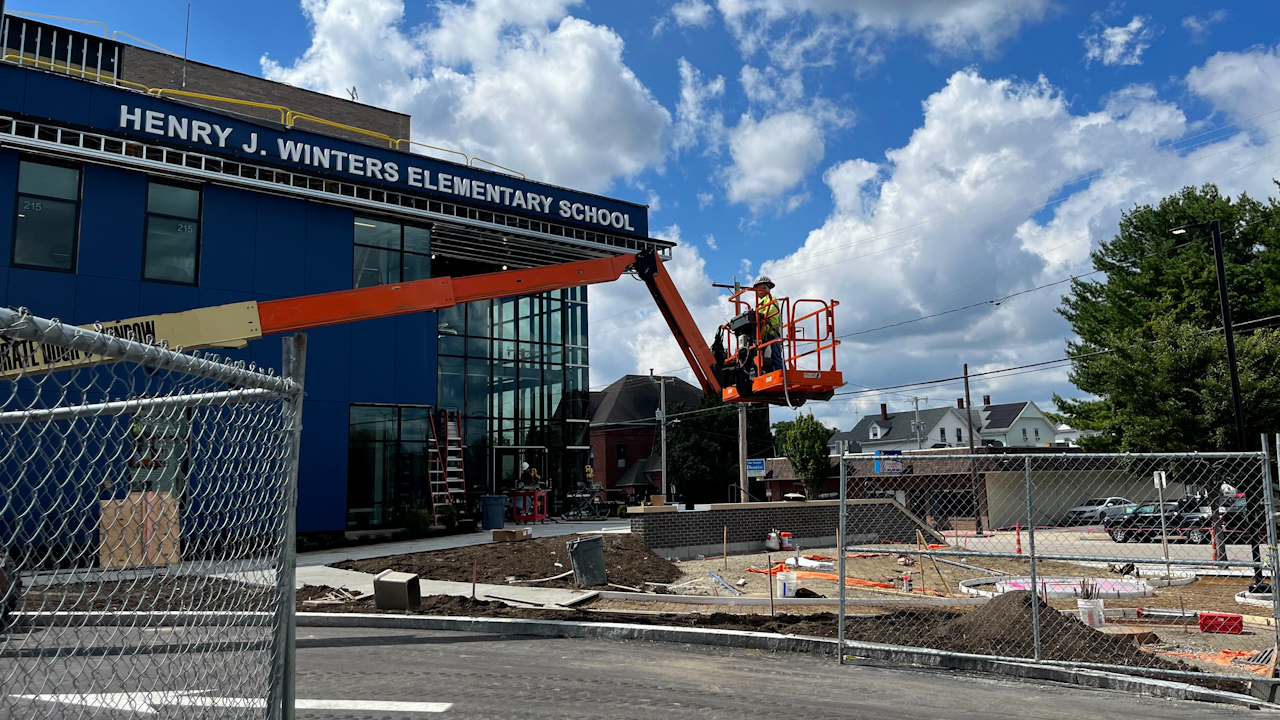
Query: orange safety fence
point(1222, 657)
point(856, 582)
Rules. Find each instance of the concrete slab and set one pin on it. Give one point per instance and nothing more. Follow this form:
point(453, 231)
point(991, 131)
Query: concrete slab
point(348, 579)
point(329, 557)
point(517, 595)
point(514, 595)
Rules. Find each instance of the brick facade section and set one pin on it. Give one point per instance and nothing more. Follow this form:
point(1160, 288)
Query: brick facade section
point(158, 70)
point(884, 519)
point(639, 441)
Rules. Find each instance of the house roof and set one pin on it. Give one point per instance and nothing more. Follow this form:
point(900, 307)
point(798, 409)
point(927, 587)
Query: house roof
point(636, 475)
point(855, 444)
point(636, 397)
point(999, 417)
point(899, 425)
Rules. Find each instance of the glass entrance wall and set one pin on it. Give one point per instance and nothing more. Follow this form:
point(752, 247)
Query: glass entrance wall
point(517, 367)
point(386, 464)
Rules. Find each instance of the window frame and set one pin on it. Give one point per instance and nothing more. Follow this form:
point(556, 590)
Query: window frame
point(146, 228)
point(400, 250)
point(18, 194)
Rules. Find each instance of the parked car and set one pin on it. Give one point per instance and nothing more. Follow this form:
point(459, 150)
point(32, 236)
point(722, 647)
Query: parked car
point(1143, 523)
point(1095, 510)
point(1196, 521)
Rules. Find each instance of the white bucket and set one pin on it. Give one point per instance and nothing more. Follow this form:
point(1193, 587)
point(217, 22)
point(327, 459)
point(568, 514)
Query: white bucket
point(1092, 612)
point(787, 584)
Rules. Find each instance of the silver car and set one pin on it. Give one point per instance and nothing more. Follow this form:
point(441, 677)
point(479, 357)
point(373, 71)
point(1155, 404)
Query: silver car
point(1095, 510)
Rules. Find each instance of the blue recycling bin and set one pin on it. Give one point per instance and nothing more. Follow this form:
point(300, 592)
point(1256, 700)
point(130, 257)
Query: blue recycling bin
point(493, 511)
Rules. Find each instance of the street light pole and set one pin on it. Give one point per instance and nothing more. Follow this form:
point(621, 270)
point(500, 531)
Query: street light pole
point(1215, 231)
point(1230, 333)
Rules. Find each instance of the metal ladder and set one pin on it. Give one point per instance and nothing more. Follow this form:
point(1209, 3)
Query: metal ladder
point(446, 469)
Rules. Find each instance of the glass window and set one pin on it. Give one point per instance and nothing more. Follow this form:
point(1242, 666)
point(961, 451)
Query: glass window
point(386, 464)
point(959, 437)
point(1024, 435)
point(389, 252)
point(622, 456)
point(45, 231)
point(172, 248)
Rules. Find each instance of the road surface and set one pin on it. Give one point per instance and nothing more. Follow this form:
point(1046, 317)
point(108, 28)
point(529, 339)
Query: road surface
point(394, 674)
point(490, 676)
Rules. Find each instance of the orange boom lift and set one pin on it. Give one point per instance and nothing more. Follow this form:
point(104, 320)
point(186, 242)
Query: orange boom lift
point(738, 370)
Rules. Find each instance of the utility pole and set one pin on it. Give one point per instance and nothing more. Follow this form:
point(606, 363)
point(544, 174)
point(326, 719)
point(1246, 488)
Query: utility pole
point(744, 492)
point(973, 468)
point(915, 425)
point(662, 419)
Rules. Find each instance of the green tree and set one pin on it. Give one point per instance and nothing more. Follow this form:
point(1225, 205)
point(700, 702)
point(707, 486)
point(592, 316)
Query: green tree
point(702, 448)
point(1147, 350)
point(780, 430)
point(805, 445)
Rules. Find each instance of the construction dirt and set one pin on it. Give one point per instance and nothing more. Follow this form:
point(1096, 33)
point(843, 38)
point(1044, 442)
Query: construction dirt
point(628, 561)
point(1002, 627)
point(158, 593)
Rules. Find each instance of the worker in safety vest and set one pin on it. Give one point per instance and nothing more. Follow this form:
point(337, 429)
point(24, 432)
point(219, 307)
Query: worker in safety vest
point(769, 312)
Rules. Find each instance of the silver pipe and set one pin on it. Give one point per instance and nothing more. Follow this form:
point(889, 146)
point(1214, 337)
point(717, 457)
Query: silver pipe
point(122, 407)
point(1273, 553)
point(1035, 589)
point(1066, 558)
point(840, 531)
point(21, 325)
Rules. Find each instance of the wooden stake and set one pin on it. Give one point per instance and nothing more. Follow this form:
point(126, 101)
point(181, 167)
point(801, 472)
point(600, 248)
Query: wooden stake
point(475, 571)
point(726, 548)
point(769, 559)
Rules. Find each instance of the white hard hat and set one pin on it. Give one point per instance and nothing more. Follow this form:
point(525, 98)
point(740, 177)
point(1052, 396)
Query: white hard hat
point(524, 466)
point(762, 280)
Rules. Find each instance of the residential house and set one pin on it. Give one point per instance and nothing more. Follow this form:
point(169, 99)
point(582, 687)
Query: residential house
point(1070, 436)
point(624, 427)
point(1016, 424)
point(938, 427)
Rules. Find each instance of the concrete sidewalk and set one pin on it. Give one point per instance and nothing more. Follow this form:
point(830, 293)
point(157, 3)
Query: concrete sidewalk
point(363, 552)
point(514, 595)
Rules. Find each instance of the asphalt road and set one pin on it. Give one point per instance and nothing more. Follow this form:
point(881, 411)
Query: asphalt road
point(474, 676)
point(490, 676)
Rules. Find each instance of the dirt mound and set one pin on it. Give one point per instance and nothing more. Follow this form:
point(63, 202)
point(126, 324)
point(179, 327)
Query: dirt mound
point(628, 561)
point(1004, 627)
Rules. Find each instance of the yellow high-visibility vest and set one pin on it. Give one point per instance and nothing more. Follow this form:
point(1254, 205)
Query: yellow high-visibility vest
point(770, 316)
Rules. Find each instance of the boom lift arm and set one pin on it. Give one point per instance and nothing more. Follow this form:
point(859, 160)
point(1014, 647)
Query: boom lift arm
point(236, 324)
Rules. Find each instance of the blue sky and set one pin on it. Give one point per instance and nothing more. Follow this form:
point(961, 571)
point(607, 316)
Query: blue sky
point(905, 157)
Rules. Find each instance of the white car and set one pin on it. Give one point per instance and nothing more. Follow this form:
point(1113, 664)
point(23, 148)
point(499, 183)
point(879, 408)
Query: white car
point(1095, 510)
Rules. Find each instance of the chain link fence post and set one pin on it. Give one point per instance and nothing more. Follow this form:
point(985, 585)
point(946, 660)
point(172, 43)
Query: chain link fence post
point(1273, 553)
point(1031, 546)
point(294, 355)
point(840, 549)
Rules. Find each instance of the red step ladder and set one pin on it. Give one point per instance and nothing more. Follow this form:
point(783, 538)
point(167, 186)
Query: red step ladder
point(446, 467)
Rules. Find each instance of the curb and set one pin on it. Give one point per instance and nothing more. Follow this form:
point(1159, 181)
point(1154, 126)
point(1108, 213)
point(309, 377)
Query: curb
point(775, 642)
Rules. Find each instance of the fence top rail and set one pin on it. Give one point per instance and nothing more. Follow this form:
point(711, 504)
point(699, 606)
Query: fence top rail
point(20, 324)
point(1044, 456)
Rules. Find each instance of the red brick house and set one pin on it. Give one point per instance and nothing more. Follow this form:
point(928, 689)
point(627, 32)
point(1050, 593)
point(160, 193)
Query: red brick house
point(624, 427)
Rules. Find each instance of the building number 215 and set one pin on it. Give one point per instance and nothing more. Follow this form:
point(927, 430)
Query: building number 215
point(187, 228)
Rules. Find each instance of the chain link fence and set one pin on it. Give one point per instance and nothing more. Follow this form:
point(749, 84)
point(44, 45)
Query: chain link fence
point(146, 509)
point(1158, 564)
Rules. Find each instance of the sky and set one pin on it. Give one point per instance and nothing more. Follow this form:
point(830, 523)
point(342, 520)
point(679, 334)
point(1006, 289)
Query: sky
point(937, 166)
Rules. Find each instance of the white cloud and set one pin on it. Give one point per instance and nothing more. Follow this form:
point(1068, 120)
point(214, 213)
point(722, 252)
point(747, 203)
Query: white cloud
point(812, 29)
point(958, 215)
point(696, 119)
point(1118, 45)
point(692, 13)
point(1199, 26)
point(705, 200)
point(519, 82)
point(772, 156)
point(711, 242)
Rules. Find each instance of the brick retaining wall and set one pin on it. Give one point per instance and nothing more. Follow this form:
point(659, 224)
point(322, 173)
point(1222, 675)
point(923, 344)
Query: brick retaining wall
point(686, 535)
